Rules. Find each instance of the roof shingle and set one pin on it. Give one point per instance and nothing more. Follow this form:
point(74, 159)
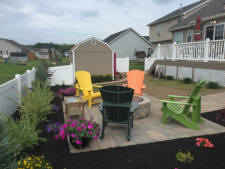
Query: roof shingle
point(177, 12)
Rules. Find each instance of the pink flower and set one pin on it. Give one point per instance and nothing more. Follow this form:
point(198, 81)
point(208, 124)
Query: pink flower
point(95, 138)
point(72, 125)
point(56, 137)
point(90, 126)
point(72, 135)
point(90, 132)
point(78, 142)
point(82, 125)
point(79, 129)
point(61, 132)
point(82, 118)
point(65, 126)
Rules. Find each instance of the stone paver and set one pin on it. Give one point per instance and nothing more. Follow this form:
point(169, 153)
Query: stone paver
point(151, 129)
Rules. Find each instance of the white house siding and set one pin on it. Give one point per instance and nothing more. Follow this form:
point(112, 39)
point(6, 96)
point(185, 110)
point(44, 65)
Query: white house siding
point(6, 46)
point(126, 45)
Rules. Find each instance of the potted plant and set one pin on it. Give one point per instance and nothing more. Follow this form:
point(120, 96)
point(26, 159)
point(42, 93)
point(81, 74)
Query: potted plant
point(80, 132)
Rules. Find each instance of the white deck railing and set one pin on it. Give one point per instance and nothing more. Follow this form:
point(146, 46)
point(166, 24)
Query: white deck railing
point(194, 51)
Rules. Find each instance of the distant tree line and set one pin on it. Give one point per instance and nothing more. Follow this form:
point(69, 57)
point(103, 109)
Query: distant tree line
point(60, 47)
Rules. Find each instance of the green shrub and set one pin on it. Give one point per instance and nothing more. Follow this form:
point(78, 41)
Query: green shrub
point(187, 80)
point(7, 155)
point(101, 78)
point(161, 75)
point(169, 77)
point(42, 73)
point(24, 134)
point(212, 85)
point(36, 105)
point(184, 157)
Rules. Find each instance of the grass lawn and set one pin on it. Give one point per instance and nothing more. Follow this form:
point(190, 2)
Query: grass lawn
point(9, 70)
point(161, 88)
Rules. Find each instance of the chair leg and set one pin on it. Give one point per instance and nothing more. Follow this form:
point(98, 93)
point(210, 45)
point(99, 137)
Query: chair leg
point(164, 117)
point(129, 130)
point(103, 129)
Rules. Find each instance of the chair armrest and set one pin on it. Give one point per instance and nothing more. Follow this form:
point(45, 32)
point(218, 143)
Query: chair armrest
point(125, 84)
point(174, 96)
point(134, 106)
point(143, 86)
point(100, 106)
point(98, 86)
point(172, 102)
point(82, 88)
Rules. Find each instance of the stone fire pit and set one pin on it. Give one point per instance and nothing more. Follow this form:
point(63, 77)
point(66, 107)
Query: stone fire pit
point(144, 109)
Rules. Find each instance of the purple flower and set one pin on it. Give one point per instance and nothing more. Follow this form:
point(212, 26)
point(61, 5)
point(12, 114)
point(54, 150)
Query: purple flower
point(48, 128)
point(56, 108)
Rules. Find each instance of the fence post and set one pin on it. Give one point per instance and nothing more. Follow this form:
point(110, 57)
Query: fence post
point(174, 51)
point(19, 88)
point(206, 52)
point(28, 79)
point(158, 56)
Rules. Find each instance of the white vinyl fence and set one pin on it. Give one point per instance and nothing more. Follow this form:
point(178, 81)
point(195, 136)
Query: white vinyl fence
point(9, 91)
point(61, 75)
point(122, 64)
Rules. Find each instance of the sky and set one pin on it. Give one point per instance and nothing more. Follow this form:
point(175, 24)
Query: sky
point(71, 21)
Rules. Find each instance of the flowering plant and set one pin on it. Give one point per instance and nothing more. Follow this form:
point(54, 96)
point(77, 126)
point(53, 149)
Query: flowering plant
point(35, 162)
point(77, 130)
point(221, 115)
point(203, 142)
point(67, 92)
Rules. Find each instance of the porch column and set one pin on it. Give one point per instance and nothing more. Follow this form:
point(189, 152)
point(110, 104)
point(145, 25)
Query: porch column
point(174, 51)
point(158, 54)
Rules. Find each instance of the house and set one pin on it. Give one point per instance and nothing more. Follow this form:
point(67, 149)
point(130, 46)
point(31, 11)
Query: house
point(9, 46)
point(127, 42)
point(93, 55)
point(18, 57)
point(160, 28)
point(212, 24)
point(42, 53)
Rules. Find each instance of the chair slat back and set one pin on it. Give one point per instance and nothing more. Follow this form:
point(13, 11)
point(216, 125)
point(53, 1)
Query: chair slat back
point(135, 80)
point(194, 94)
point(84, 81)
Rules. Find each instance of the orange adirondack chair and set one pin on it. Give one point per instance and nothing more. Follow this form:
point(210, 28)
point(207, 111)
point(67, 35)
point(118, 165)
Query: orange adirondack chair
point(135, 80)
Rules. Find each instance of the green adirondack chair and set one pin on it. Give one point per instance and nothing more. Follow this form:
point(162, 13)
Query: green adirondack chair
point(182, 112)
point(117, 107)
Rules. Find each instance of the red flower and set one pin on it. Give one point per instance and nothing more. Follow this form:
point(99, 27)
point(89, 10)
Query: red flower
point(203, 142)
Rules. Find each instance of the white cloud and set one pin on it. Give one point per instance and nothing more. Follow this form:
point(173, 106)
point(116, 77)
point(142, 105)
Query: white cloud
point(72, 21)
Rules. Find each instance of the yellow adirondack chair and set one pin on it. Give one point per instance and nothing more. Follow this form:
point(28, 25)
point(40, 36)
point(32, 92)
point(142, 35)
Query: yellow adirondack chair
point(135, 80)
point(85, 85)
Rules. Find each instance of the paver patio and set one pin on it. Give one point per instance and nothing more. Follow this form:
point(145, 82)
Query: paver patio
point(151, 129)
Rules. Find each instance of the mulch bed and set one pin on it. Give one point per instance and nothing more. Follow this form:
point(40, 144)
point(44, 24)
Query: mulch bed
point(213, 116)
point(159, 155)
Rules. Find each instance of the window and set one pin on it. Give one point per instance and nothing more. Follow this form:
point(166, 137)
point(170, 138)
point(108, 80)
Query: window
point(189, 35)
point(219, 32)
point(93, 42)
point(7, 52)
point(215, 32)
point(178, 37)
point(0, 51)
point(159, 28)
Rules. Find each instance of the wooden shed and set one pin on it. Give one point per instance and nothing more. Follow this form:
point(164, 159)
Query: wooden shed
point(95, 56)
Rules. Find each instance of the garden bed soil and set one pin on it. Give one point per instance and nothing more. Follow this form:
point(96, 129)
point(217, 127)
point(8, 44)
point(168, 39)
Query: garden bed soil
point(212, 117)
point(160, 155)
